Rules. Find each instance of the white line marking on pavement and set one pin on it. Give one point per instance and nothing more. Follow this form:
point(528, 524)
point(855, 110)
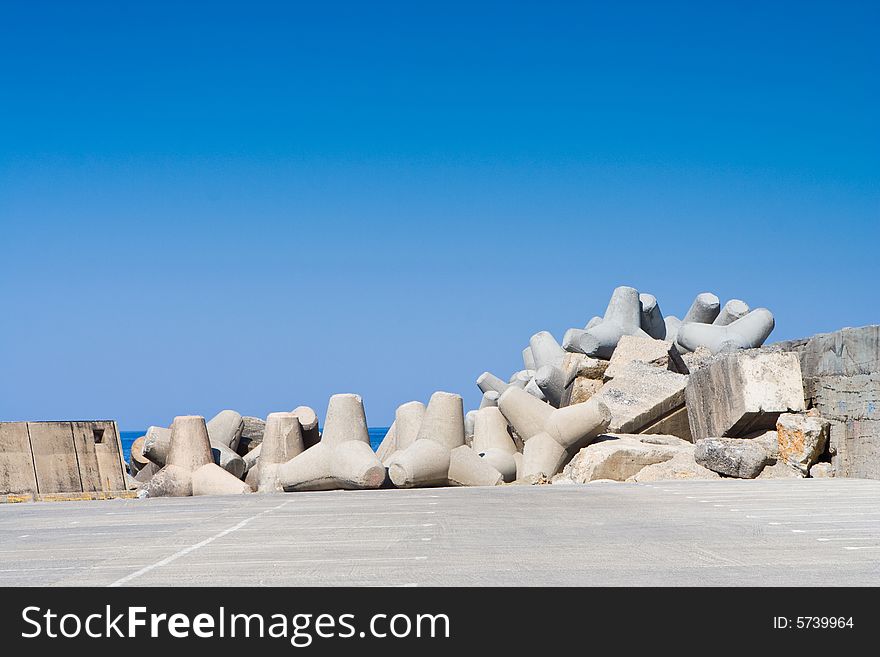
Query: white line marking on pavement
point(813, 515)
point(194, 547)
point(303, 528)
point(851, 538)
point(866, 547)
point(819, 522)
point(835, 529)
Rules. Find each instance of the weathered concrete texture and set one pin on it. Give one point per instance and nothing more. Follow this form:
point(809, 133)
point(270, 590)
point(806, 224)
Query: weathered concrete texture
point(801, 439)
point(620, 457)
point(841, 372)
point(580, 365)
point(60, 457)
point(743, 392)
point(639, 396)
point(16, 460)
point(343, 459)
point(780, 470)
point(735, 457)
point(847, 352)
point(697, 358)
point(852, 404)
point(633, 348)
point(675, 424)
point(252, 429)
point(681, 466)
point(582, 389)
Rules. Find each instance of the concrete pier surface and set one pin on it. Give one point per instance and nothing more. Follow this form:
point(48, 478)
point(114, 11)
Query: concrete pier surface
point(698, 533)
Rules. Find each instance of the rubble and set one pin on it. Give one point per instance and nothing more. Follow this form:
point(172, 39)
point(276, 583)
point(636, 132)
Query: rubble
point(641, 395)
point(634, 396)
point(621, 457)
point(801, 439)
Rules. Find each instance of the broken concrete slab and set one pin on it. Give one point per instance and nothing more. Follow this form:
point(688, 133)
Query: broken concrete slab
point(252, 429)
point(582, 389)
point(801, 439)
point(634, 348)
point(620, 456)
point(734, 457)
point(641, 395)
point(743, 392)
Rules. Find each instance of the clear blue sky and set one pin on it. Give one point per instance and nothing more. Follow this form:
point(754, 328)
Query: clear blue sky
point(255, 205)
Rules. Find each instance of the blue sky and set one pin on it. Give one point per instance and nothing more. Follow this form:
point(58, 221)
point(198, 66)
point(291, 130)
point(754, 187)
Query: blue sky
point(256, 205)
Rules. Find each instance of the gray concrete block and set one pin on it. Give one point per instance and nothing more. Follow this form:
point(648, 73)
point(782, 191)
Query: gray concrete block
point(734, 457)
point(658, 353)
point(640, 395)
point(743, 392)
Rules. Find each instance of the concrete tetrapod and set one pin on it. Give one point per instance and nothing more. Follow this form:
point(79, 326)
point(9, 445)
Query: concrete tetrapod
point(407, 420)
point(488, 382)
point(308, 422)
point(549, 357)
point(746, 332)
point(489, 399)
point(282, 441)
point(552, 436)
point(528, 358)
point(225, 429)
point(652, 319)
point(438, 456)
point(493, 442)
point(622, 317)
point(157, 445)
point(521, 378)
point(704, 310)
point(189, 467)
point(732, 311)
point(343, 458)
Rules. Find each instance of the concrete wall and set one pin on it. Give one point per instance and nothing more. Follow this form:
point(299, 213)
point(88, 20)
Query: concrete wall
point(60, 457)
point(841, 373)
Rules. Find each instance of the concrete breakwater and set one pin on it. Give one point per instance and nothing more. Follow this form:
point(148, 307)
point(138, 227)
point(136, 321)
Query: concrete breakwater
point(631, 396)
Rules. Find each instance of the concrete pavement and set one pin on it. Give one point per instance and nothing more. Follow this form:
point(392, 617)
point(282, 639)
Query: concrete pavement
point(771, 532)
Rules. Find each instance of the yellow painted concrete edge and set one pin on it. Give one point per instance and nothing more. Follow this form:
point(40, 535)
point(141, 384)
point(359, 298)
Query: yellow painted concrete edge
point(67, 497)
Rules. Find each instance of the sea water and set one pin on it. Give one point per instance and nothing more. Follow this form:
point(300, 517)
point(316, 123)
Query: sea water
point(128, 437)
